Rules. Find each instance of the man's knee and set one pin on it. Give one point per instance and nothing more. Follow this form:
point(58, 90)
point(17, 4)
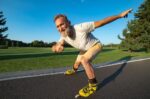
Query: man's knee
point(84, 60)
point(77, 63)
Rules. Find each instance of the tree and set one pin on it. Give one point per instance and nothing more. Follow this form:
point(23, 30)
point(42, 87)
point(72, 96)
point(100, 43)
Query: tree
point(137, 33)
point(2, 28)
point(130, 39)
point(143, 16)
point(37, 43)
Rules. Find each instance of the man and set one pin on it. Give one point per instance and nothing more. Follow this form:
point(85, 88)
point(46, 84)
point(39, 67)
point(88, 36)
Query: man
point(80, 37)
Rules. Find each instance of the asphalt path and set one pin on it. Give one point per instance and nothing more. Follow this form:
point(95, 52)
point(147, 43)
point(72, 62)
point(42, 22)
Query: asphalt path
point(121, 81)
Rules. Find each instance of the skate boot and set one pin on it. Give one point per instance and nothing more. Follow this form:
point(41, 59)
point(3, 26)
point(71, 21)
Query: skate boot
point(88, 90)
point(70, 72)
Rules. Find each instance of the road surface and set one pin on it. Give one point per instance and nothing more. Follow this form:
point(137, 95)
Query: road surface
point(122, 81)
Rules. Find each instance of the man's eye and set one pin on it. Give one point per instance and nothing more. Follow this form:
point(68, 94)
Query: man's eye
point(62, 24)
point(57, 26)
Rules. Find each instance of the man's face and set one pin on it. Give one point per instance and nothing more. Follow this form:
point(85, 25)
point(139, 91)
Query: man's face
point(62, 25)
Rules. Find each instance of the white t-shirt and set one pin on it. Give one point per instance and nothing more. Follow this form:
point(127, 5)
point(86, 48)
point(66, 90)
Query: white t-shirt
point(83, 37)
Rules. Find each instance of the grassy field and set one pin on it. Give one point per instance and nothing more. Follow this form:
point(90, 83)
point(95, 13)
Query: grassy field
point(21, 59)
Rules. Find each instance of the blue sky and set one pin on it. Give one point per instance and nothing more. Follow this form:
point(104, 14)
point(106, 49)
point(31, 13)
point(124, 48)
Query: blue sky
point(30, 20)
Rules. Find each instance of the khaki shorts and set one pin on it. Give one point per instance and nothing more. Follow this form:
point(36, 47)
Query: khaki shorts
point(91, 53)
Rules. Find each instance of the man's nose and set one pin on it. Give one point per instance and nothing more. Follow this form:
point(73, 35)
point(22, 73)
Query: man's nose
point(61, 29)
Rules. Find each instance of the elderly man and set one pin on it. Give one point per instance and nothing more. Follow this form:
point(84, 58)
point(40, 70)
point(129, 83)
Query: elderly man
point(80, 37)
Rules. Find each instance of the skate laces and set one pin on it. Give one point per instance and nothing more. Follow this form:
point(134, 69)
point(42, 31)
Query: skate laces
point(86, 89)
point(90, 87)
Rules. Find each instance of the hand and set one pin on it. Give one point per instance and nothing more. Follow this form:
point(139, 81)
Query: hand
point(125, 13)
point(57, 48)
point(54, 48)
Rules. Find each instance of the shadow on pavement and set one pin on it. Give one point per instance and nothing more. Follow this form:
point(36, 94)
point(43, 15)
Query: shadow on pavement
point(113, 76)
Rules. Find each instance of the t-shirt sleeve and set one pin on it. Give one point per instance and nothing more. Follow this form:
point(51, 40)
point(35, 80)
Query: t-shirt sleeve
point(85, 27)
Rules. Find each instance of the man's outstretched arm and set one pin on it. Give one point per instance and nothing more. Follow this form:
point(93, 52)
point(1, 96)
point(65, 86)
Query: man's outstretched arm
point(110, 19)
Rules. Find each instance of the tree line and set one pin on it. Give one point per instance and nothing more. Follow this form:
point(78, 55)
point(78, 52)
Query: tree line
point(36, 43)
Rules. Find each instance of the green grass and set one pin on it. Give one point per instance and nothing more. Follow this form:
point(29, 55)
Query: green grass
point(21, 59)
point(27, 50)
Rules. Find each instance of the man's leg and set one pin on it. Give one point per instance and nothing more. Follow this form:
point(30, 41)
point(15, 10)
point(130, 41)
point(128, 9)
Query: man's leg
point(87, 59)
point(86, 62)
point(88, 68)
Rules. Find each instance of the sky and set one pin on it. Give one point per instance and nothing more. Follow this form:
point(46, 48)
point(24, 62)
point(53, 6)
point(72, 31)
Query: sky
point(29, 20)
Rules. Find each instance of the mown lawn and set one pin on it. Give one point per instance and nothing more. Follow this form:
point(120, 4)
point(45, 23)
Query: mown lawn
point(21, 59)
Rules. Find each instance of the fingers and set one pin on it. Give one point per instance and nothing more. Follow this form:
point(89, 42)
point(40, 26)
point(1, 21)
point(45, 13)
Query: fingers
point(57, 48)
point(126, 16)
point(60, 49)
point(130, 10)
point(125, 13)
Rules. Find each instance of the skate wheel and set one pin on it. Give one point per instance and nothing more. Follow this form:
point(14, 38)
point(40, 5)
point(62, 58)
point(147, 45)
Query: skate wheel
point(76, 96)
